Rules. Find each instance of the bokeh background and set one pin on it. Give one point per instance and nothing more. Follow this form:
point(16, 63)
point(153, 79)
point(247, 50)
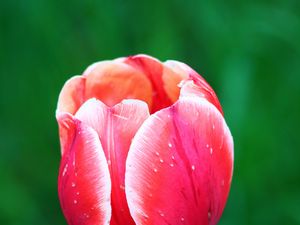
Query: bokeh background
point(249, 51)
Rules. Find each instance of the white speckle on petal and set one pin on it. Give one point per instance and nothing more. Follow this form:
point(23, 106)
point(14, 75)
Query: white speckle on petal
point(121, 117)
point(65, 170)
point(222, 183)
point(66, 124)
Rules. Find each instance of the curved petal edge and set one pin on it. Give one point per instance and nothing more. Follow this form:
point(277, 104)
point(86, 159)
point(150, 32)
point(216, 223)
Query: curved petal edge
point(84, 184)
point(184, 158)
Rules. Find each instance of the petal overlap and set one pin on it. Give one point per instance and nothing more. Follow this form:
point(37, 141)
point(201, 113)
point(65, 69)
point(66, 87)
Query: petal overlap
point(184, 157)
point(84, 184)
point(153, 70)
point(203, 89)
point(115, 127)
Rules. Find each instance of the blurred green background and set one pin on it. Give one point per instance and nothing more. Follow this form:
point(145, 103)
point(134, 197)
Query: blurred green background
point(249, 51)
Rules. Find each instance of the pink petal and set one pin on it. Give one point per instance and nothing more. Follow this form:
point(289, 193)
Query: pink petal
point(179, 166)
point(84, 184)
point(72, 95)
point(203, 88)
point(116, 127)
point(153, 69)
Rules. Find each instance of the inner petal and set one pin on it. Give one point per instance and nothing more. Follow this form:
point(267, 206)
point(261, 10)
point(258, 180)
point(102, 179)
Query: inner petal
point(136, 77)
point(111, 82)
point(116, 127)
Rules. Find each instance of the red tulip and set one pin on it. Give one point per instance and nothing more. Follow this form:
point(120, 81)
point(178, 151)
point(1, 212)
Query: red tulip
point(142, 142)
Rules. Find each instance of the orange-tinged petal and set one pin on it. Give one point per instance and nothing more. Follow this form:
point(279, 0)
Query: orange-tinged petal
point(72, 95)
point(179, 166)
point(84, 184)
point(171, 81)
point(116, 127)
point(112, 81)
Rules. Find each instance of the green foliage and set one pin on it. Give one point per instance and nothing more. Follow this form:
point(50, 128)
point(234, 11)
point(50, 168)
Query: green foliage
point(249, 51)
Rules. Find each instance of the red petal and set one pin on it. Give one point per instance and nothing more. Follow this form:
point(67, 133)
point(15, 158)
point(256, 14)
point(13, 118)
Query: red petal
point(84, 184)
point(153, 69)
point(116, 127)
point(203, 88)
point(72, 95)
point(67, 129)
point(179, 166)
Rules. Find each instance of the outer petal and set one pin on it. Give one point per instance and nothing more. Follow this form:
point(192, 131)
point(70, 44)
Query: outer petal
point(203, 88)
point(179, 166)
point(116, 127)
point(84, 184)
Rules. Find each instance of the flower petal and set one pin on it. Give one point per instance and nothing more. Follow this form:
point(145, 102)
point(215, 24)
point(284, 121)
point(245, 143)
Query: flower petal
point(112, 81)
point(203, 88)
point(172, 82)
point(153, 69)
point(67, 129)
point(116, 127)
point(179, 165)
point(72, 95)
point(84, 184)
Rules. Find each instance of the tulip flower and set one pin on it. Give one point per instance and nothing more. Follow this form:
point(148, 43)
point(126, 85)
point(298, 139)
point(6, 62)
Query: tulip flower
point(142, 142)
